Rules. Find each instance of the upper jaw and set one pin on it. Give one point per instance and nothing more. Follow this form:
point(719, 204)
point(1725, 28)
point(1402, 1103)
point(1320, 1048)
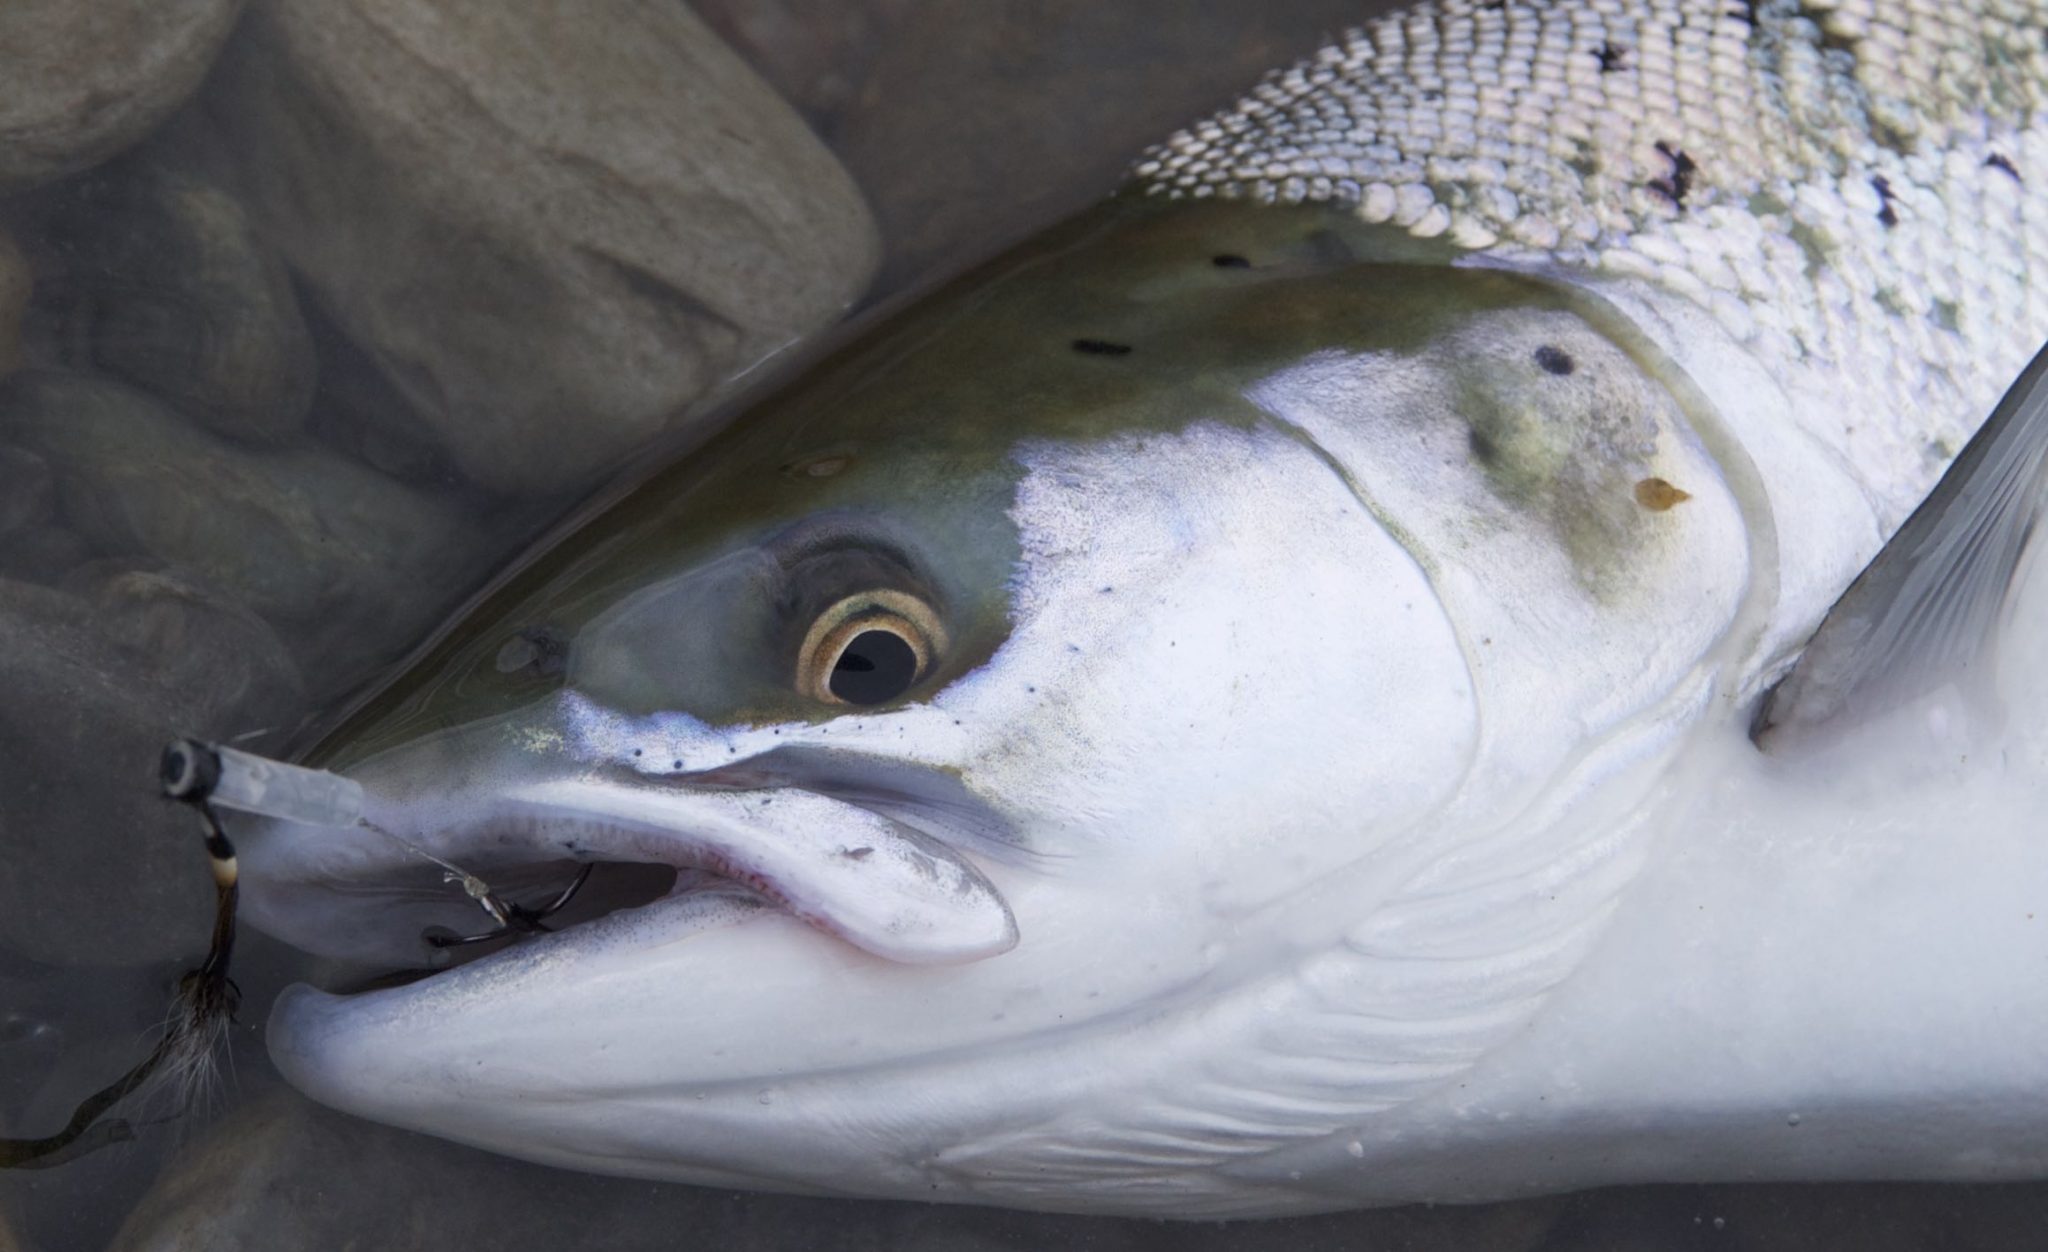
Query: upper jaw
point(865, 849)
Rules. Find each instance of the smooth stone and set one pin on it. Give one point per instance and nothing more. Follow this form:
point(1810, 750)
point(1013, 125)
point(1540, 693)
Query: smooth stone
point(43, 552)
point(16, 283)
point(86, 78)
point(198, 643)
point(166, 285)
point(983, 120)
point(100, 870)
point(817, 53)
point(556, 228)
point(359, 411)
point(332, 554)
point(27, 491)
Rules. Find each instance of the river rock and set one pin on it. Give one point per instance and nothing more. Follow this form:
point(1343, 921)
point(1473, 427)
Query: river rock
point(555, 227)
point(27, 492)
point(164, 283)
point(15, 286)
point(42, 552)
point(332, 554)
point(817, 53)
point(86, 78)
point(100, 870)
point(983, 120)
point(360, 411)
point(201, 647)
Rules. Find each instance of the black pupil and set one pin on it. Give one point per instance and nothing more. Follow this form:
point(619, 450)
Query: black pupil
point(876, 666)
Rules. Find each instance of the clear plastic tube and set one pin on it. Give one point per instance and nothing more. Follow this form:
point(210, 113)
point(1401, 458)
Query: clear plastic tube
point(234, 779)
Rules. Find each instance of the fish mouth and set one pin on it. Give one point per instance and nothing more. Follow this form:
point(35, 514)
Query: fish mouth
point(435, 877)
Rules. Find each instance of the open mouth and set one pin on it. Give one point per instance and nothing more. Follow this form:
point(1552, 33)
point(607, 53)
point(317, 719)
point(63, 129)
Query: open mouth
point(433, 878)
point(524, 903)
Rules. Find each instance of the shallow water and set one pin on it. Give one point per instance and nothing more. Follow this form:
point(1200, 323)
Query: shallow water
point(966, 125)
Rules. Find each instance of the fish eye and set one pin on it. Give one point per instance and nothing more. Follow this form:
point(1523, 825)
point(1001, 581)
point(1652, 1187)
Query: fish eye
point(869, 648)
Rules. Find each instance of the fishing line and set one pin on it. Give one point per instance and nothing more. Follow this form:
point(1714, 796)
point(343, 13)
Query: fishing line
point(204, 1006)
point(207, 777)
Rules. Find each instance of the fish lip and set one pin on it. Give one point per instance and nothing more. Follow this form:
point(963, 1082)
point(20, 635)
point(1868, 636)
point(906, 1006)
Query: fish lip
point(898, 890)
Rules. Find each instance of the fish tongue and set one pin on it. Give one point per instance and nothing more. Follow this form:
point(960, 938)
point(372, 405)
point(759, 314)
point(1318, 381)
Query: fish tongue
point(873, 882)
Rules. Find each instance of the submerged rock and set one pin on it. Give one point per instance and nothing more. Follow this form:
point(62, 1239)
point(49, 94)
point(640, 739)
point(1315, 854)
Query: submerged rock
point(41, 552)
point(28, 494)
point(817, 53)
point(85, 78)
point(101, 871)
point(201, 648)
point(162, 282)
point(332, 554)
point(1045, 103)
point(15, 285)
point(554, 227)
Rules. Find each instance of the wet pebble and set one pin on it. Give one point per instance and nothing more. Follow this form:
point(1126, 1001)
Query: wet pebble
point(159, 279)
point(331, 553)
point(552, 232)
point(86, 78)
point(101, 871)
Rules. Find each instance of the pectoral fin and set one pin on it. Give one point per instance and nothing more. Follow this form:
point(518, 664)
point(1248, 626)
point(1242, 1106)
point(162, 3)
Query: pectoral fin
point(1924, 611)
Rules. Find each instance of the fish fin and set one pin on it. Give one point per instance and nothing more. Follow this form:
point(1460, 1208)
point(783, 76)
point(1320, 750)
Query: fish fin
point(1924, 611)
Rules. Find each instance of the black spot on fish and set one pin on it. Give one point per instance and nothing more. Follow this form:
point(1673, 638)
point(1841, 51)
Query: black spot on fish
point(1998, 161)
point(1830, 41)
point(1101, 347)
point(1676, 187)
point(1555, 360)
point(675, 764)
point(1229, 261)
point(1885, 212)
point(1610, 57)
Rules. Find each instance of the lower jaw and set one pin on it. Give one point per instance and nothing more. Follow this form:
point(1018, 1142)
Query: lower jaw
point(694, 904)
point(419, 942)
